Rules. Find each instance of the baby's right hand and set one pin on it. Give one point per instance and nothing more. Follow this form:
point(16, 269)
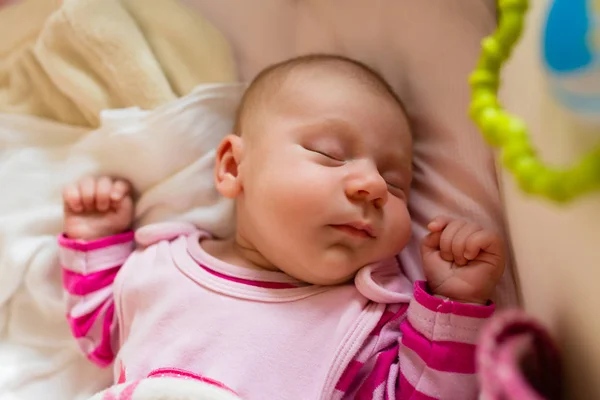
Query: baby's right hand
point(97, 207)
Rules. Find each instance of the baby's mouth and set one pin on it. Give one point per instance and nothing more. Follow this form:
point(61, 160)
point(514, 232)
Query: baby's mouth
point(356, 229)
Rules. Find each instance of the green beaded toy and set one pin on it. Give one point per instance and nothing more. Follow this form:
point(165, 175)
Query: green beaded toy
point(508, 132)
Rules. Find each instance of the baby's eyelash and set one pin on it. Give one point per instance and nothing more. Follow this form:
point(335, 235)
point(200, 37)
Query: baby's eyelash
point(328, 155)
point(395, 187)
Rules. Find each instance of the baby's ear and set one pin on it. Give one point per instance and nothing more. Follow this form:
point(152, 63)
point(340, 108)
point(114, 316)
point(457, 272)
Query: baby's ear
point(228, 157)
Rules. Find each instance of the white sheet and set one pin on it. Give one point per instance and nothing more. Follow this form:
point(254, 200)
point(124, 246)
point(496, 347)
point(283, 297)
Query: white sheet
point(166, 388)
point(167, 154)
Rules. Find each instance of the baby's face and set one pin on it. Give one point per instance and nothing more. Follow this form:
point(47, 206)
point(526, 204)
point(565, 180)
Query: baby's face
point(325, 178)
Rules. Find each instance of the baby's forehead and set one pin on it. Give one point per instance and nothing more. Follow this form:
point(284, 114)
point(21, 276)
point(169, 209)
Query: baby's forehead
point(314, 88)
point(308, 78)
point(289, 79)
point(312, 77)
point(316, 91)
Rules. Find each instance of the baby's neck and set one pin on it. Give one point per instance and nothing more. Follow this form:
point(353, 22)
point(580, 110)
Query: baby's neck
point(234, 251)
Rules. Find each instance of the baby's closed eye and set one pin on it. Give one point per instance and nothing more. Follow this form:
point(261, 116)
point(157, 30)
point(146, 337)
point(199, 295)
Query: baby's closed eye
point(328, 152)
point(396, 186)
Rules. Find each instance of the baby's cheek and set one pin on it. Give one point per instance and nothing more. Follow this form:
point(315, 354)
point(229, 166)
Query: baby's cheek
point(305, 192)
point(400, 225)
point(284, 203)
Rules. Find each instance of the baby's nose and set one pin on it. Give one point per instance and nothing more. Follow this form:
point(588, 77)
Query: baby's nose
point(368, 186)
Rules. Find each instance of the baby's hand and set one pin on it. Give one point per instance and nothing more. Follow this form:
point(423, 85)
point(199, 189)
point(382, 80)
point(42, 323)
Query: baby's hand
point(97, 207)
point(462, 261)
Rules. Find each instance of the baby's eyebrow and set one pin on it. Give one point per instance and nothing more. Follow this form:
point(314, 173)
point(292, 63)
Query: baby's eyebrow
point(398, 161)
point(330, 126)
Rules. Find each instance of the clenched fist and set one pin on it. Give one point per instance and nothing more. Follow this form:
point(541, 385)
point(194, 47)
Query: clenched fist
point(462, 261)
point(97, 207)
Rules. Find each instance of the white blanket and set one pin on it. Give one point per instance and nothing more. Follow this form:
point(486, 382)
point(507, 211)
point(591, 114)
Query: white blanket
point(166, 153)
point(165, 389)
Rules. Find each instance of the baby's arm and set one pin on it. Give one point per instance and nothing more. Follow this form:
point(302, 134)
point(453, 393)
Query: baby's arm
point(437, 347)
point(89, 270)
point(428, 351)
point(463, 264)
point(92, 250)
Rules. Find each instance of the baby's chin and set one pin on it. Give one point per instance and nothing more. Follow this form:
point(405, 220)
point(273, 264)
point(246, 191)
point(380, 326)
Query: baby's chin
point(338, 276)
point(331, 281)
point(332, 268)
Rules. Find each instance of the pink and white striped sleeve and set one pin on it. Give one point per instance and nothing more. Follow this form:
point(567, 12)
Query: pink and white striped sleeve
point(89, 270)
point(423, 350)
point(437, 348)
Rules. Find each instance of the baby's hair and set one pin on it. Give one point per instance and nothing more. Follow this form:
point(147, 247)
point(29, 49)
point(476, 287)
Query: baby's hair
point(272, 78)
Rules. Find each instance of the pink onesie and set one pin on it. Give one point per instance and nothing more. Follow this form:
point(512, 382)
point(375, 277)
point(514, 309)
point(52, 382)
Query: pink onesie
point(169, 308)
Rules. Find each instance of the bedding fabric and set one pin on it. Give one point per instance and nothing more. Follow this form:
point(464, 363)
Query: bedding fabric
point(68, 60)
point(166, 388)
point(167, 153)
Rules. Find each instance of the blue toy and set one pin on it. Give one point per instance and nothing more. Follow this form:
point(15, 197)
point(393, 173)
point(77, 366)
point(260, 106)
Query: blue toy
point(571, 54)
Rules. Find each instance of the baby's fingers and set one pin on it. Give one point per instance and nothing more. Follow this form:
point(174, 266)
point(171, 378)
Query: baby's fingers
point(87, 191)
point(439, 223)
point(430, 243)
point(447, 239)
point(72, 199)
point(482, 240)
point(459, 243)
point(103, 190)
point(120, 189)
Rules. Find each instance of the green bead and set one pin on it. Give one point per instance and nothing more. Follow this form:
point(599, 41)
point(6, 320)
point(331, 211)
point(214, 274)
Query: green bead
point(516, 130)
point(483, 79)
point(510, 24)
point(503, 126)
point(482, 99)
point(488, 121)
point(551, 184)
point(588, 171)
point(527, 171)
point(510, 32)
point(514, 151)
point(519, 6)
point(493, 51)
point(574, 182)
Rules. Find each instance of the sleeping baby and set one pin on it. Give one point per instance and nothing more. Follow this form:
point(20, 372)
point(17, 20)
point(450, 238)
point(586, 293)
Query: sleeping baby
point(307, 299)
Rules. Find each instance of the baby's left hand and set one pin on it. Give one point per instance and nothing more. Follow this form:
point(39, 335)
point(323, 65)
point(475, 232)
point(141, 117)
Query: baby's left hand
point(462, 261)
